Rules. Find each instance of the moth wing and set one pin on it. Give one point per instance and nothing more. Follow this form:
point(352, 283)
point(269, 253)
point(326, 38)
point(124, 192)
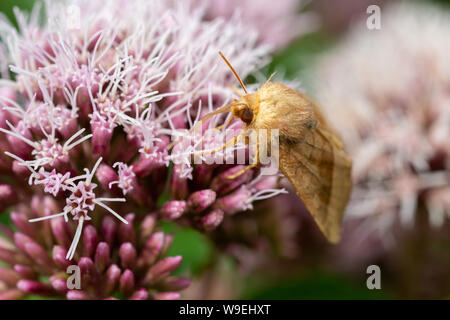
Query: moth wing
point(320, 173)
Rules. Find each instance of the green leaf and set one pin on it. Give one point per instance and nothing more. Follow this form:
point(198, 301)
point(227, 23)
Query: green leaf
point(323, 286)
point(6, 7)
point(5, 219)
point(195, 248)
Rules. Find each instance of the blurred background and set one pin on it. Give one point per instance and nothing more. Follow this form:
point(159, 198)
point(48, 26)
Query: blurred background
point(387, 92)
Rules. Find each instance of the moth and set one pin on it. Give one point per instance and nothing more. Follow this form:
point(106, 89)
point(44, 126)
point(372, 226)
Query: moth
point(310, 153)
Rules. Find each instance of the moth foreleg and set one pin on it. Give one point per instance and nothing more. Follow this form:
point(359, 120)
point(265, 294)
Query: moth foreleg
point(226, 124)
point(237, 174)
point(255, 164)
point(229, 143)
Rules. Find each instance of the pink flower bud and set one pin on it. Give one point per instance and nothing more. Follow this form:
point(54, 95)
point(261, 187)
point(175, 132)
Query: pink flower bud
point(8, 276)
point(140, 294)
point(152, 249)
point(20, 240)
point(126, 283)
point(89, 240)
point(109, 228)
point(105, 175)
point(59, 257)
point(8, 256)
point(22, 224)
point(127, 254)
point(34, 287)
point(18, 146)
point(175, 283)
point(12, 294)
point(212, 219)
point(59, 284)
point(102, 131)
point(235, 202)
point(112, 279)
point(222, 184)
point(147, 226)
point(166, 296)
point(61, 232)
point(77, 295)
point(162, 269)
point(39, 255)
point(20, 170)
point(8, 196)
point(25, 271)
point(172, 210)
point(87, 270)
point(200, 200)
point(126, 231)
point(102, 256)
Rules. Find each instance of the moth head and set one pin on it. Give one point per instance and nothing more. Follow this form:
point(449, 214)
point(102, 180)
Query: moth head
point(245, 108)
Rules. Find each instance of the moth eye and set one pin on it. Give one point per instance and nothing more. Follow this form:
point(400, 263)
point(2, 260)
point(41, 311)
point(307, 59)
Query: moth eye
point(246, 115)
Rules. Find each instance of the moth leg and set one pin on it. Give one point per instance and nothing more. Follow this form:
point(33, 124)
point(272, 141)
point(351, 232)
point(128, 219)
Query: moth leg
point(223, 109)
point(229, 143)
point(250, 166)
point(237, 174)
point(226, 124)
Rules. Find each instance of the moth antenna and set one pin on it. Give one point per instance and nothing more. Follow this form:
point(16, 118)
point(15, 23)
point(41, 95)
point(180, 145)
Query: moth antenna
point(271, 76)
point(234, 71)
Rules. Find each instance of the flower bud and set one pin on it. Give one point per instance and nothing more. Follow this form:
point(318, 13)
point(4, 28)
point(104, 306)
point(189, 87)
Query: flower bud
point(152, 249)
point(212, 219)
point(126, 282)
point(58, 283)
point(8, 276)
point(234, 202)
point(140, 294)
point(89, 241)
point(34, 287)
point(109, 228)
point(105, 175)
point(127, 254)
point(8, 196)
point(162, 269)
point(61, 232)
point(175, 283)
point(126, 231)
point(77, 295)
point(222, 184)
point(59, 257)
point(112, 278)
point(102, 131)
point(22, 224)
point(102, 256)
point(166, 296)
point(172, 210)
point(25, 271)
point(201, 200)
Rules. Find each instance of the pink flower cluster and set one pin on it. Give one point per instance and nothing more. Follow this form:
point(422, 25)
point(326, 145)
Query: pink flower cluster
point(88, 108)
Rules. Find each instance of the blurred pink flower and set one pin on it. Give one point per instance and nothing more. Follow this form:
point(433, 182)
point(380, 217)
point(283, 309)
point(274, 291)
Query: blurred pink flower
point(387, 91)
point(277, 23)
